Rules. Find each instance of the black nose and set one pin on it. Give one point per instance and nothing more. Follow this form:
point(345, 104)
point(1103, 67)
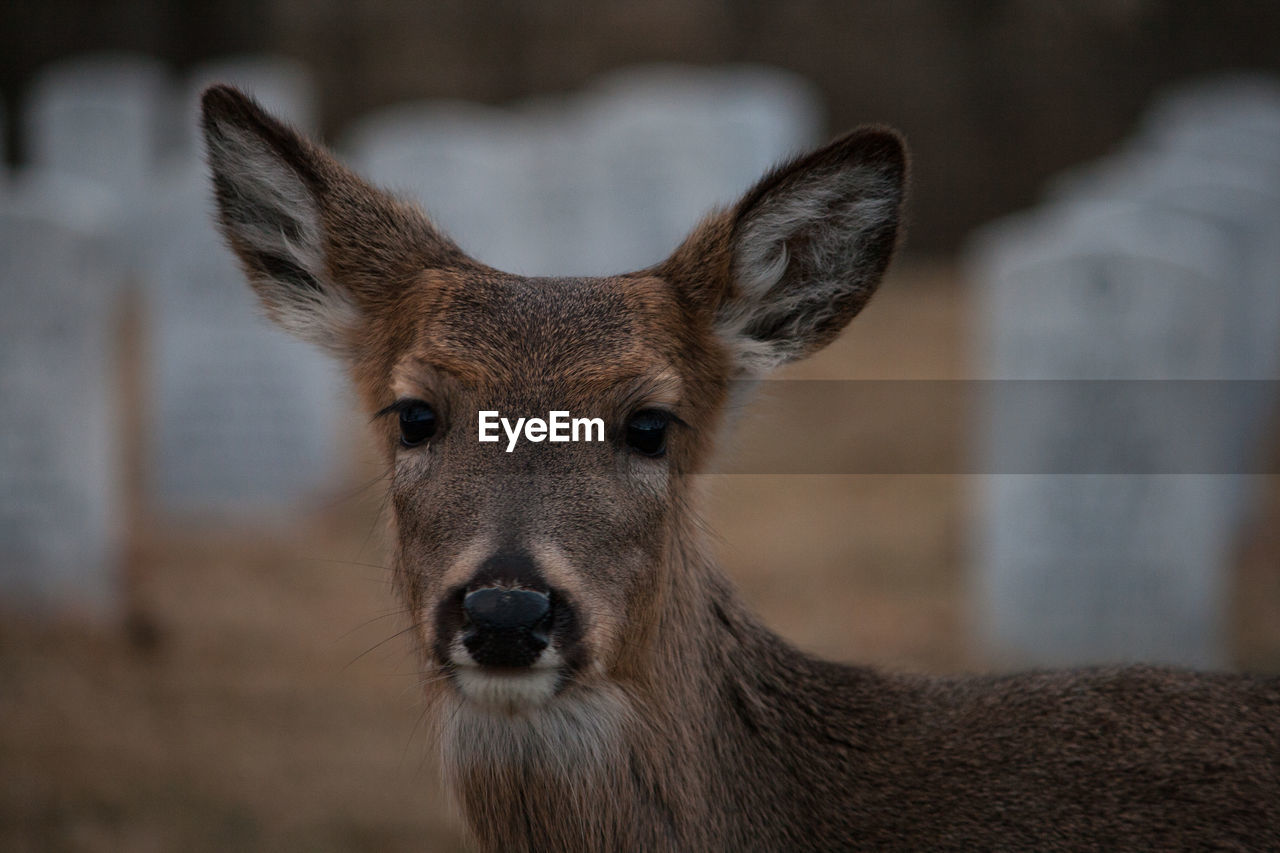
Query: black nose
point(506, 627)
point(500, 609)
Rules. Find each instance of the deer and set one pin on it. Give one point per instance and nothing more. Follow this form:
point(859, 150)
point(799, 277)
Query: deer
point(595, 680)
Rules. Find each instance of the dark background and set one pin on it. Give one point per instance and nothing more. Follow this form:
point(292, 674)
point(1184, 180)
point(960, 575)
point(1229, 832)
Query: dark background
point(994, 95)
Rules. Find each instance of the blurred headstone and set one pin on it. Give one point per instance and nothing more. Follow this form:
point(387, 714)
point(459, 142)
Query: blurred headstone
point(1127, 289)
point(1231, 120)
point(557, 216)
point(244, 420)
point(661, 157)
point(1242, 147)
point(1235, 199)
point(1093, 542)
point(469, 166)
point(60, 440)
point(601, 182)
point(79, 203)
point(1157, 263)
point(673, 142)
point(1234, 102)
point(99, 117)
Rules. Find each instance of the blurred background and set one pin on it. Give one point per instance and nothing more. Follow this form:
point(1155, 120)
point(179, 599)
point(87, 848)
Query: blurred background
point(1049, 440)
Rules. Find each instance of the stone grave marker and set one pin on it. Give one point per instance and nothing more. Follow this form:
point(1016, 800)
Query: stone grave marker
point(60, 442)
point(600, 182)
point(563, 219)
point(99, 117)
point(1241, 101)
point(1233, 120)
point(463, 163)
point(1234, 198)
point(769, 115)
point(673, 142)
point(245, 421)
point(1099, 540)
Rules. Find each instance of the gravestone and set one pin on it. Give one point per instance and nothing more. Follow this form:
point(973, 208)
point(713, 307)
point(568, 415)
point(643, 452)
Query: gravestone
point(1233, 120)
point(81, 204)
point(769, 115)
point(1234, 198)
point(99, 117)
point(467, 165)
point(244, 421)
point(564, 203)
point(1249, 102)
point(1219, 145)
point(672, 142)
point(60, 436)
point(601, 182)
point(1104, 521)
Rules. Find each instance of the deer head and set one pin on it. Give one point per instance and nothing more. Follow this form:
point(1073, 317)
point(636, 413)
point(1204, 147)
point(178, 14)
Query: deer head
point(547, 571)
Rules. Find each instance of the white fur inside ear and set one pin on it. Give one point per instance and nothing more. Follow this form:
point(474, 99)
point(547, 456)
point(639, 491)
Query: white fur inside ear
point(275, 225)
point(798, 253)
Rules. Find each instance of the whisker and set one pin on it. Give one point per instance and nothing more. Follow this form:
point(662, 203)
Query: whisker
point(355, 563)
point(353, 493)
point(387, 615)
point(383, 642)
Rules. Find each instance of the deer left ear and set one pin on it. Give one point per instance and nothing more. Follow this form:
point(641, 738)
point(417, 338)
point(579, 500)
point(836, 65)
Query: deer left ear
point(804, 250)
point(319, 245)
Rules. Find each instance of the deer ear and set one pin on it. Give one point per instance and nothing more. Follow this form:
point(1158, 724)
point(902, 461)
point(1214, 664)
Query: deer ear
point(801, 253)
point(320, 246)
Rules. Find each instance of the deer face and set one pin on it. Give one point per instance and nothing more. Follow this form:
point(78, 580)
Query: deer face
point(526, 562)
point(535, 569)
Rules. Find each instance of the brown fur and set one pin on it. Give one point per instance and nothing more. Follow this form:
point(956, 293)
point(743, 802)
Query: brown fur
point(679, 722)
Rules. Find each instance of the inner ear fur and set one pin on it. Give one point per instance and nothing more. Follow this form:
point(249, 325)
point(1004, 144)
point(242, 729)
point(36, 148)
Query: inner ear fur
point(320, 246)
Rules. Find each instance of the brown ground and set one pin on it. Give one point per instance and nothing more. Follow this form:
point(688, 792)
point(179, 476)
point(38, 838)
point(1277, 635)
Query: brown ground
point(264, 701)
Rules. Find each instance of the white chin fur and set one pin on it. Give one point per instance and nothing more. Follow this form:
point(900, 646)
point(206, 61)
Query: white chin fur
point(514, 690)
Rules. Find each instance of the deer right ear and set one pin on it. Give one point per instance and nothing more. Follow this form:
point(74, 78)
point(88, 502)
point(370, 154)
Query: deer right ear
point(792, 263)
point(318, 244)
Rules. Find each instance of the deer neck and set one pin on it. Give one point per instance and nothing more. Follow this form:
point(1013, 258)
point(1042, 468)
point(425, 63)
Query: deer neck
point(670, 756)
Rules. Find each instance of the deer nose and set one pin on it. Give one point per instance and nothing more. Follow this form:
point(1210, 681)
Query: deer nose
point(506, 627)
point(495, 608)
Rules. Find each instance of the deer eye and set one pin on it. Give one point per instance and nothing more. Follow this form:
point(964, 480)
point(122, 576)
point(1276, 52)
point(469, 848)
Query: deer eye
point(417, 422)
point(647, 432)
